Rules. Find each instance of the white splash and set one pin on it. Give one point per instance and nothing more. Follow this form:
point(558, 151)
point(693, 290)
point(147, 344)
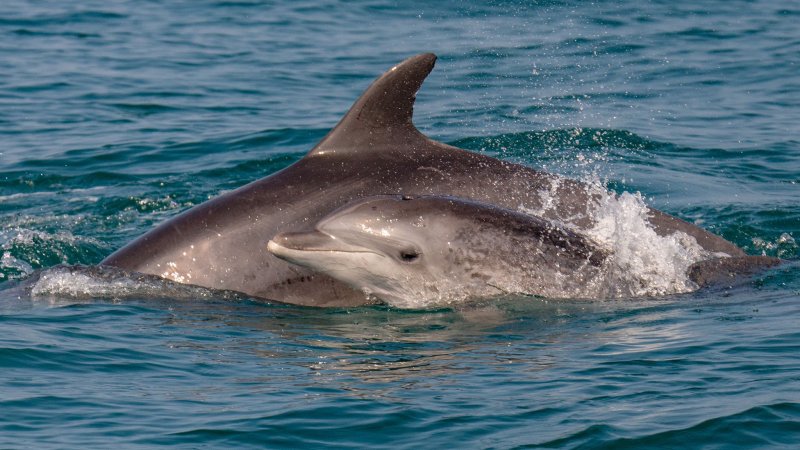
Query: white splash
point(641, 262)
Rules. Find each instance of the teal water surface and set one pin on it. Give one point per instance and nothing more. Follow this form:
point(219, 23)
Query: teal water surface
point(115, 116)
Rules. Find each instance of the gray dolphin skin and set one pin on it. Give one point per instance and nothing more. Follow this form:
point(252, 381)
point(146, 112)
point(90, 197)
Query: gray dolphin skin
point(374, 149)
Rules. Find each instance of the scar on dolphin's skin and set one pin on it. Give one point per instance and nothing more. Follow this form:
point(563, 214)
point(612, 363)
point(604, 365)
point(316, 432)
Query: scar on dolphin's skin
point(374, 149)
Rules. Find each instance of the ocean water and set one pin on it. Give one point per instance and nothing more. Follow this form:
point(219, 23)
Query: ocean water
point(115, 116)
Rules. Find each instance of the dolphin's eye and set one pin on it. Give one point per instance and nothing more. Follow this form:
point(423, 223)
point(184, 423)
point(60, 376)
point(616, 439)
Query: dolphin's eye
point(409, 255)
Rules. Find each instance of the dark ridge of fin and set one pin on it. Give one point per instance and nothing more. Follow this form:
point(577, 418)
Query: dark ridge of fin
point(382, 115)
point(718, 271)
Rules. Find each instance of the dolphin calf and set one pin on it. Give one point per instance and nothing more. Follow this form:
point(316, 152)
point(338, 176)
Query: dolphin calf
point(374, 149)
point(421, 251)
point(433, 250)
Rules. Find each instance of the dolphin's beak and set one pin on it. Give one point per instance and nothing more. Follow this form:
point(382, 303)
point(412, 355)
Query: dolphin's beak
point(306, 241)
point(288, 245)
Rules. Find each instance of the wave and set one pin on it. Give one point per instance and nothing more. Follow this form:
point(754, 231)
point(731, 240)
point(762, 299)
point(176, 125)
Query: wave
point(770, 426)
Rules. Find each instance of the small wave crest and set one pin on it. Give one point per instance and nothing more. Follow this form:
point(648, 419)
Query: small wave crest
point(23, 250)
point(784, 246)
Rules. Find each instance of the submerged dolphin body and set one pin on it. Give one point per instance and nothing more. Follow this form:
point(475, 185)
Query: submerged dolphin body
point(375, 149)
point(429, 250)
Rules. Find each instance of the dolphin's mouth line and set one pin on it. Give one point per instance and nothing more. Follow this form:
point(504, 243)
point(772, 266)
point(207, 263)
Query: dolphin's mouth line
point(328, 251)
point(273, 246)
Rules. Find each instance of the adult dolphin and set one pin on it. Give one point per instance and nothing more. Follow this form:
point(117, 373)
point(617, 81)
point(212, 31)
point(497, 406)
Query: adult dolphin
point(374, 149)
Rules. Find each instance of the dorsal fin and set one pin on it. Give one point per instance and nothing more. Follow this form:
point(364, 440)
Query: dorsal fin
point(382, 115)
